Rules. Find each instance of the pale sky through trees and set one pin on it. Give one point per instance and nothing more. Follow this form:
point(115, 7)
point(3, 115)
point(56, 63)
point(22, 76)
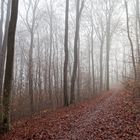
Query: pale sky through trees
point(72, 64)
point(119, 39)
point(119, 35)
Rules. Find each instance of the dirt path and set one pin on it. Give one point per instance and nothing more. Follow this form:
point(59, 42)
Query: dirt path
point(111, 116)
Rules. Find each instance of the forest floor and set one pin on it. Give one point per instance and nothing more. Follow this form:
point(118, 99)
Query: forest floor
point(114, 115)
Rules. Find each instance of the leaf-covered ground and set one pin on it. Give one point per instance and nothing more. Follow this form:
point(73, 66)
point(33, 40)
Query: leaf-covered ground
point(114, 115)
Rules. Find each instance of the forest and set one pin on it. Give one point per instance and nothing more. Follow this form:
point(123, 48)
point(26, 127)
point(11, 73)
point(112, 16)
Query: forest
point(69, 70)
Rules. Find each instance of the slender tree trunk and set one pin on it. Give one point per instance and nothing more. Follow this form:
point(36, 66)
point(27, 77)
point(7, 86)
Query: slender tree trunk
point(39, 76)
point(3, 52)
point(21, 75)
point(54, 76)
point(31, 74)
point(130, 40)
point(117, 68)
point(1, 23)
point(108, 36)
point(45, 70)
point(124, 64)
point(61, 78)
point(74, 73)
point(137, 37)
point(66, 55)
point(9, 66)
point(57, 73)
point(72, 98)
point(92, 57)
point(101, 66)
point(79, 73)
point(50, 59)
point(138, 18)
point(89, 66)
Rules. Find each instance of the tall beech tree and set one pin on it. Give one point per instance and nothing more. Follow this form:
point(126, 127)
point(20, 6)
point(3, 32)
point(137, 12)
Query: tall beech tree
point(75, 64)
point(66, 55)
point(108, 41)
point(9, 66)
point(3, 51)
point(130, 40)
point(1, 22)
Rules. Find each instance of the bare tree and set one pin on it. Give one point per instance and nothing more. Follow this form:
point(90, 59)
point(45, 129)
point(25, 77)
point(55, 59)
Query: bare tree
point(92, 57)
point(32, 5)
point(9, 66)
point(100, 33)
point(79, 73)
point(1, 23)
point(45, 69)
point(3, 51)
point(66, 55)
point(39, 83)
point(130, 40)
point(50, 13)
point(74, 73)
point(108, 39)
point(89, 63)
point(137, 30)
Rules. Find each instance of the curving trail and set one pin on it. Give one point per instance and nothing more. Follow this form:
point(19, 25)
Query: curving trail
point(114, 115)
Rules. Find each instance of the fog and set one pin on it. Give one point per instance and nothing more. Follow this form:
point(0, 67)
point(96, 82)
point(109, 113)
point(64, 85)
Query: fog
point(92, 9)
point(99, 49)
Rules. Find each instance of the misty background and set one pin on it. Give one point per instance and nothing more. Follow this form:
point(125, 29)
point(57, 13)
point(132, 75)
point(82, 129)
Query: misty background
point(39, 53)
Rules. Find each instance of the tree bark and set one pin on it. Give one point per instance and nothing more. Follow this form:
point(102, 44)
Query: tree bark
point(1, 23)
point(101, 66)
point(74, 73)
point(66, 55)
point(137, 37)
point(3, 52)
point(130, 40)
point(79, 73)
point(30, 74)
point(50, 55)
point(92, 57)
point(9, 66)
point(108, 51)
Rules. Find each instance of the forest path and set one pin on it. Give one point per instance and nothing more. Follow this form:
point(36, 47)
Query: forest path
point(111, 116)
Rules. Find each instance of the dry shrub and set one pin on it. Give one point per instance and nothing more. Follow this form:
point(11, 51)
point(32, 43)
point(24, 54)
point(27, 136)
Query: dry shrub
point(20, 105)
point(133, 86)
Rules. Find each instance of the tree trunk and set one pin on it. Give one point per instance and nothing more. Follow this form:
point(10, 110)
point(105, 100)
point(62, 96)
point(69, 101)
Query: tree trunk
point(39, 76)
point(130, 40)
point(137, 37)
point(45, 69)
point(3, 52)
point(89, 66)
point(50, 59)
point(1, 23)
point(92, 57)
point(31, 74)
point(101, 67)
point(108, 35)
point(66, 55)
point(79, 73)
point(74, 73)
point(9, 66)
point(72, 98)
